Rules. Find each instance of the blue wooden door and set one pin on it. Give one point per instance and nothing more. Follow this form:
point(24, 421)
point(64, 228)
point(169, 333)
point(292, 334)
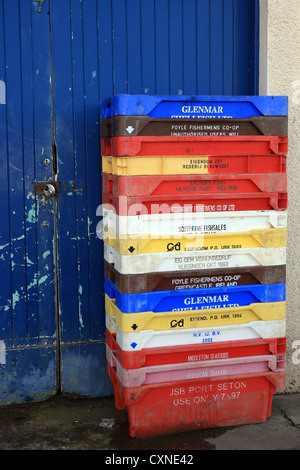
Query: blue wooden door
point(58, 60)
point(28, 342)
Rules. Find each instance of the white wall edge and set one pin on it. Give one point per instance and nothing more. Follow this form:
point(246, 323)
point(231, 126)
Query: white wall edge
point(263, 48)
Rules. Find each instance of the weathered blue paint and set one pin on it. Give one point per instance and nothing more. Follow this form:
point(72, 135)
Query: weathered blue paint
point(27, 290)
point(99, 48)
point(76, 123)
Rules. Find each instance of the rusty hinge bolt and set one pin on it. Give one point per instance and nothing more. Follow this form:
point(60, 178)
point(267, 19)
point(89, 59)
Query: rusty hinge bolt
point(49, 190)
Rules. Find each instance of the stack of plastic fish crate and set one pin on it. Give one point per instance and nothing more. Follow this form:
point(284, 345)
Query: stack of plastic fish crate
point(195, 222)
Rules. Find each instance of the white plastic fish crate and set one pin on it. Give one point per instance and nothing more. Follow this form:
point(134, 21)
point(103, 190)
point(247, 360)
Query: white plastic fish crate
point(198, 260)
point(185, 224)
point(145, 339)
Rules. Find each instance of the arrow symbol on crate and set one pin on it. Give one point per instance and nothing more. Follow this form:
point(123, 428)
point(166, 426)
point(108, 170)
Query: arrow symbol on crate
point(134, 327)
point(131, 249)
point(133, 345)
point(129, 129)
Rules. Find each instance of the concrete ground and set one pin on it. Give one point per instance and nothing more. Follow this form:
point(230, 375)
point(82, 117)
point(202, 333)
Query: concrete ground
point(64, 423)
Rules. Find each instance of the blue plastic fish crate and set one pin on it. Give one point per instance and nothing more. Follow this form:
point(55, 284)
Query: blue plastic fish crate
point(191, 106)
point(196, 299)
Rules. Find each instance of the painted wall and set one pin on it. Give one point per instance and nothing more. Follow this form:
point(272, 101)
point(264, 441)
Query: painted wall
point(280, 75)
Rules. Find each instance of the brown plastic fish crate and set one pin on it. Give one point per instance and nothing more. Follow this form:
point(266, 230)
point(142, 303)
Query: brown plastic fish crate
point(177, 280)
point(121, 126)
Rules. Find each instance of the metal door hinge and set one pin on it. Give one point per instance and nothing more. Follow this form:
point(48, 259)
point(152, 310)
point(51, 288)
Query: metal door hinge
point(52, 188)
point(47, 188)
point(41, 3)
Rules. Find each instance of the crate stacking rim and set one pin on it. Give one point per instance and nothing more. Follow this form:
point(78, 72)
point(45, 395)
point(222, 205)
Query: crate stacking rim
point(237, 347)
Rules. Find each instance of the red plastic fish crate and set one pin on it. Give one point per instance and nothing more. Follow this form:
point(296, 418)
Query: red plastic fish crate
point(240, 202)
point(208, 193)
point(194, 145)
point(195, 352)
point(172, 185)
point(175, 407)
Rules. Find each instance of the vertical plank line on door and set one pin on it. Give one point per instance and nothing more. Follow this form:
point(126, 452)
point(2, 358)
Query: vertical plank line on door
point(23, 174)
point(8, 182)
point(55, 225)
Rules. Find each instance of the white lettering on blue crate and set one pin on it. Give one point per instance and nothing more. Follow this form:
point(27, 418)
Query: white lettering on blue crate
point(206, 299)
point(203, 109)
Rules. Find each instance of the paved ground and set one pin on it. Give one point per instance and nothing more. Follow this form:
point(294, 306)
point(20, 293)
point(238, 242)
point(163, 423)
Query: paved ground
point(94, 424)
